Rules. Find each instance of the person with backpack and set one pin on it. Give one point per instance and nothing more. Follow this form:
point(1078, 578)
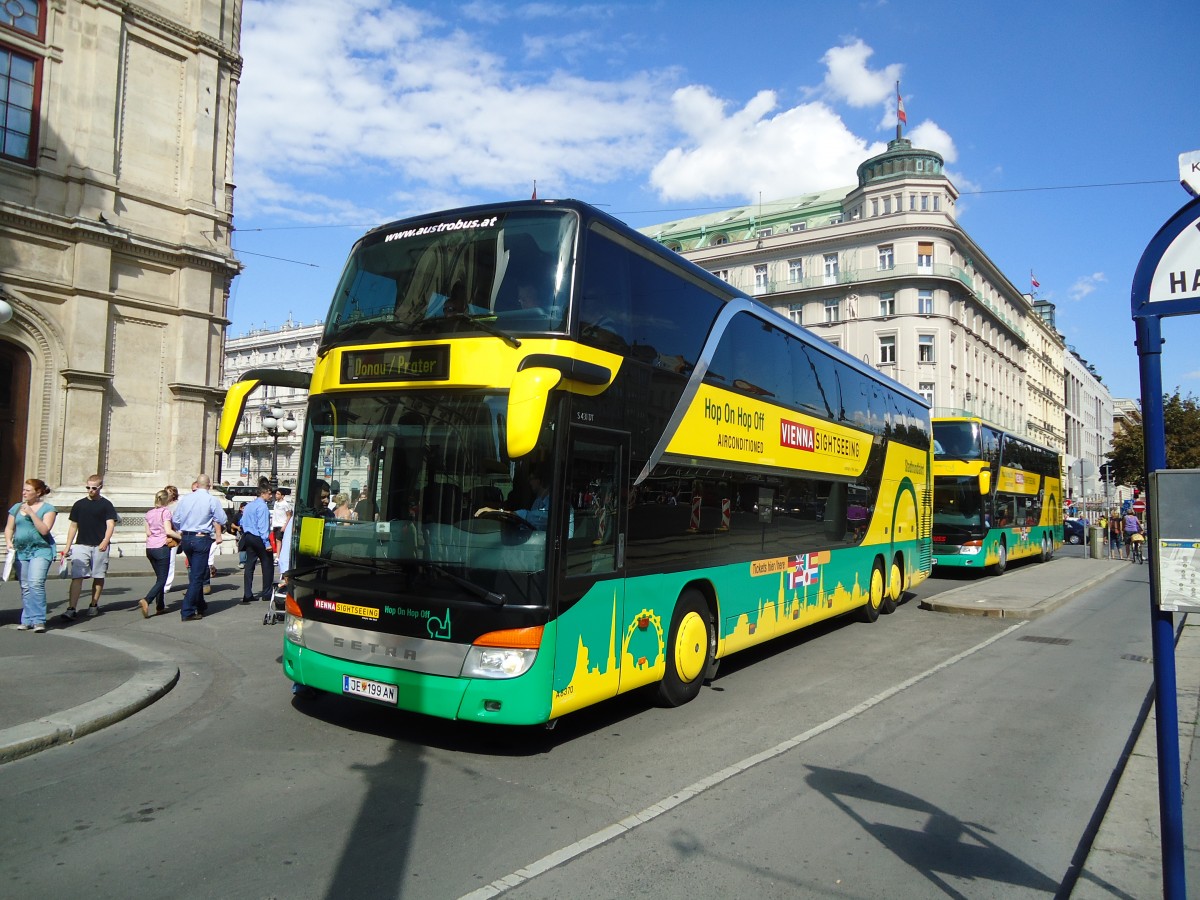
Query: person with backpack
point(1114, 536)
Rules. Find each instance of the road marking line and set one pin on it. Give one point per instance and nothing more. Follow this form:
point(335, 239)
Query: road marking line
point(626, 825)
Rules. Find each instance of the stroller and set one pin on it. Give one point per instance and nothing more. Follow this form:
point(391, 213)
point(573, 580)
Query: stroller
point(275, 612)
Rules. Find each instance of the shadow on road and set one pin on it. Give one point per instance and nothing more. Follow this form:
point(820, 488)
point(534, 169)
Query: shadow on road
point(943, 847)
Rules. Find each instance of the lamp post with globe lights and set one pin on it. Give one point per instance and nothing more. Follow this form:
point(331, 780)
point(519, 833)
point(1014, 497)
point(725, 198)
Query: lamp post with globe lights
point(272, 422)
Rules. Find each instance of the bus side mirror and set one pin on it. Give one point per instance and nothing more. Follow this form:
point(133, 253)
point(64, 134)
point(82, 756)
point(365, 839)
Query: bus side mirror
point(527, 399)
point(985, 482)
point(231, 412)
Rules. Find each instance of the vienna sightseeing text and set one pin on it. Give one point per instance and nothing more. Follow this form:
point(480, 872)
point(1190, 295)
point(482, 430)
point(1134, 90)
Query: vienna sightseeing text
point(794, 435)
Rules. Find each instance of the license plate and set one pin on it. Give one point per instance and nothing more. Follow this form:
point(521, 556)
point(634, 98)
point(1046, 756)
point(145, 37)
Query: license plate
point(372, 690)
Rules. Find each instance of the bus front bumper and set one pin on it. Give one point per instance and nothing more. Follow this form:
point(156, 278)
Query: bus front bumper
point(515, 701)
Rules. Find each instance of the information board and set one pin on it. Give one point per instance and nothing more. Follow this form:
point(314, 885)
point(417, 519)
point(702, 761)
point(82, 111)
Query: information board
point(1175, 532)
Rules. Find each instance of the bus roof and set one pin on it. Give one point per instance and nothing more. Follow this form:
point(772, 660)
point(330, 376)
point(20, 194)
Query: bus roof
point(590, 214)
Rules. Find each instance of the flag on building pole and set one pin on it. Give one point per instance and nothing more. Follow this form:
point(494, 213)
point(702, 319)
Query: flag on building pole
point(534, 197)
point(1033, 281)
point(901, 116)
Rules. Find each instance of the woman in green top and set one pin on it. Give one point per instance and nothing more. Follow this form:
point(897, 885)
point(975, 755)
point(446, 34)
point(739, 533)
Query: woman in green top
point(28, 534)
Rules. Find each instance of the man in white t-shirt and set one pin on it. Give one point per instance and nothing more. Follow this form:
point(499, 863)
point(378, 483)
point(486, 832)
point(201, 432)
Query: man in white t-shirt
point(281, 512)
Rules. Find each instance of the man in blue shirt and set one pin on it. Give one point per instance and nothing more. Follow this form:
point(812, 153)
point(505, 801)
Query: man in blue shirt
point(256, 535)
point(199, 518)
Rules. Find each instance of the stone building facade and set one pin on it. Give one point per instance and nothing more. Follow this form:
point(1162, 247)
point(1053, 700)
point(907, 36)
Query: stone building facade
point(883, 270)
point(116, 205)
point(1089, 416)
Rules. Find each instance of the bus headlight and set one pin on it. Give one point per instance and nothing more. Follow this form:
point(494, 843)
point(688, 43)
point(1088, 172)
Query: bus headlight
point(497, 662)
point(503, 654)
point(970, 548)
point(293, 629)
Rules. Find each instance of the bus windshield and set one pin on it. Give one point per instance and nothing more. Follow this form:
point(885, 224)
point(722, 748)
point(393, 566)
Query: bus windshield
point(395, 482)
point(956, 440)
point(504, 272)
point(957, 502)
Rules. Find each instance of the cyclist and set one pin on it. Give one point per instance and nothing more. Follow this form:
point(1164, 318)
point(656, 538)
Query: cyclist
point(1137, 541)
point(1133, 525)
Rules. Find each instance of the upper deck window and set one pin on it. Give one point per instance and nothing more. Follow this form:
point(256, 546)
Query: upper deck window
point(510, 271)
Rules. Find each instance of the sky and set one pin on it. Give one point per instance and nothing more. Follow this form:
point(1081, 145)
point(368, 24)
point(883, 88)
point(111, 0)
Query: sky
point(1060, 124)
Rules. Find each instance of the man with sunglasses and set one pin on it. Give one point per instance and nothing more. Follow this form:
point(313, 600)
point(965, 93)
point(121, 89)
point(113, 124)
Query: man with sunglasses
point(88, 536)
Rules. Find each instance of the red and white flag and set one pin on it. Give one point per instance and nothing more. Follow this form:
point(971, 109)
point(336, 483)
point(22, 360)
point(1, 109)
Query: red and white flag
point(1033, 280)
point(900, 114)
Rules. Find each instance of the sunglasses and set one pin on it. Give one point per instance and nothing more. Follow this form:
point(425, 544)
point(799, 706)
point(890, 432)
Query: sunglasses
point(93, 487)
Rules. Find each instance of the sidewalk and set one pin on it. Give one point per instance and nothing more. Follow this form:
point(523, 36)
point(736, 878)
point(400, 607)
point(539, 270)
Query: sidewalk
point(67, 683)
point(107, 679)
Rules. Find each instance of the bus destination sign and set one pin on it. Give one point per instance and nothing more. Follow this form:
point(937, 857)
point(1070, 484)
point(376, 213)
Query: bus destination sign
point(431, 363)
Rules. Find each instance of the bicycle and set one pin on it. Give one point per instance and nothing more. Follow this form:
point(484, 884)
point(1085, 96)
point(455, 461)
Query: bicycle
point(1135, 545)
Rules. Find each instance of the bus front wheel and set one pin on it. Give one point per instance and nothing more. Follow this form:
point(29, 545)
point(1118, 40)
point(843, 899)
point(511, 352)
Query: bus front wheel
point(690, 648)
point(1001, 558)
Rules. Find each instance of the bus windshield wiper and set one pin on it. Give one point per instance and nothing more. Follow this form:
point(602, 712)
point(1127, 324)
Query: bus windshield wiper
point(481, 592)
point(481, 323)
point(370, 326)
point(320, 564)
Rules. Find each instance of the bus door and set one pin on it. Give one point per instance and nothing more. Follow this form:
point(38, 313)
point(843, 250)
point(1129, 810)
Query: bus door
point(591, 616)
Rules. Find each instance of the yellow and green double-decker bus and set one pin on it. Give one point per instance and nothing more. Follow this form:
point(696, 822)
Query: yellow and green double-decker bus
point(586, 467)
point(996, 497)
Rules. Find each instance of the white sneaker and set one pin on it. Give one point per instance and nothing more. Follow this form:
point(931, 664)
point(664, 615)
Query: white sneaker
point(40, 628)
point(92, 611)
point(24, 627)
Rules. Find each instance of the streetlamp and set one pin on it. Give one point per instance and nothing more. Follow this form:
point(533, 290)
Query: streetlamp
point(271, 416)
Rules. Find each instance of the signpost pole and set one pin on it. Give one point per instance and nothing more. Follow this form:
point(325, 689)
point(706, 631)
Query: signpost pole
point(1162, 628)
point(1166, 283)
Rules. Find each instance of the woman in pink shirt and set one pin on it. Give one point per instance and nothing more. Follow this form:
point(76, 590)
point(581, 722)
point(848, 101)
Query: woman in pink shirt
point(158, 528)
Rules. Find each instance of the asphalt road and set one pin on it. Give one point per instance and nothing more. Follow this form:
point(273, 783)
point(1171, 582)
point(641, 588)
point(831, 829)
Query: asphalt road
point(925, 754)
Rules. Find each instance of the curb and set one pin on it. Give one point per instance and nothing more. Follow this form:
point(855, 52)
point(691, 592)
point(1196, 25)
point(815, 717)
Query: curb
point(155, 677)
point(946, 601)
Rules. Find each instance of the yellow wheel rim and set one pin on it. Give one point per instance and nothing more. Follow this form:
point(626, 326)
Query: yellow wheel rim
point(895, 583)
point(691, 647)
point(876, 588)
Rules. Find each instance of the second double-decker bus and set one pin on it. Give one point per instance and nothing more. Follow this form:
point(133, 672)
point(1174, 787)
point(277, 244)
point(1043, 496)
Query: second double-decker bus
point(996, 497)
point(585, 466)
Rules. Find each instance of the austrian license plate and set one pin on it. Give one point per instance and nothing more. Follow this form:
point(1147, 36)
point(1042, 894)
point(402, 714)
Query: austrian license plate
point(372, 690)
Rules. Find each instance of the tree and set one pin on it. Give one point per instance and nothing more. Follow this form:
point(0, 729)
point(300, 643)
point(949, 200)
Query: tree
point(1181, 427)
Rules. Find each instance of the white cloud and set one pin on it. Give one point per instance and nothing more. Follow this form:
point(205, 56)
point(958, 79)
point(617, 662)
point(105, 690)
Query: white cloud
point(405, 93)
point(929, 136)
point(848, 78)
point(1085, 285)
point(807, 147)
point(406, 106)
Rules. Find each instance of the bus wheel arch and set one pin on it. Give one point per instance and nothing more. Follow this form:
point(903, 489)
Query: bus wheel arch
point(691, 647)
point(1001, 558)
point(876, 592)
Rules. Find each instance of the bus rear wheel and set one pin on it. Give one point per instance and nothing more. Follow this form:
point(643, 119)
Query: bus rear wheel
point(691, 646)
point(895, 587)
point(1001, 559)
point(1047, 549)
point(876, 593)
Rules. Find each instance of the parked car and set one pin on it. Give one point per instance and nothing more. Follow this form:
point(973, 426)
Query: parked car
point(1074, 531)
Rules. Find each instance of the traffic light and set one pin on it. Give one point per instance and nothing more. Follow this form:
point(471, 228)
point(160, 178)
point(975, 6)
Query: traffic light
point(1136, 493)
